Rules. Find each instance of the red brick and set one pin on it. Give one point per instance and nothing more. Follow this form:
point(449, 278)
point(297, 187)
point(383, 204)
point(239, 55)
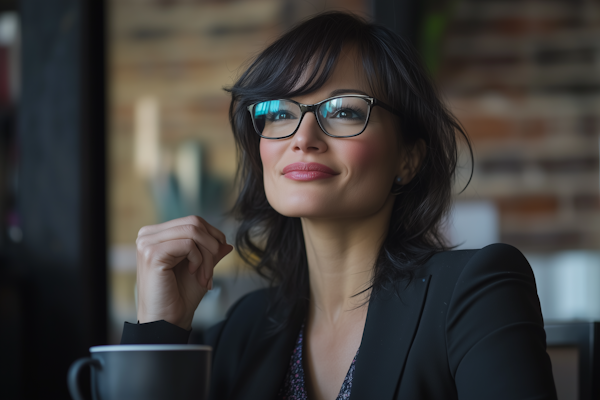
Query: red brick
point(534, 128)
point(533, 205)
point(544, 241)
point(512, 26)
point(486, 128)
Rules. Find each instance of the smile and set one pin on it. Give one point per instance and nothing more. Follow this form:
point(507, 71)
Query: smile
point(308, 171)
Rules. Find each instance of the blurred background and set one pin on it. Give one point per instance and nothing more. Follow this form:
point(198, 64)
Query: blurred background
point(113, 116)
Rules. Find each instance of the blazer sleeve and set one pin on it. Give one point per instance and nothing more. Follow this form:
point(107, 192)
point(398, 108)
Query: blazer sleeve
point(495, 334)
point(157, 332)
point(163, 332)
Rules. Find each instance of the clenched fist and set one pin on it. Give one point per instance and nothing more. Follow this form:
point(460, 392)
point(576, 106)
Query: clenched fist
point(175, 262)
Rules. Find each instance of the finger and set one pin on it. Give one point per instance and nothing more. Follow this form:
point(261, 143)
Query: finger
point(166, 255)
point(189, 220)
point(199, 235)
point(205, 271)
point(208, 272)
point(217, 234)
point(224, 249)
point(207, 258)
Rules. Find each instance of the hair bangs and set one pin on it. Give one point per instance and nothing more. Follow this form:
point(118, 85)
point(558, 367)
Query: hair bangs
point(300, 61)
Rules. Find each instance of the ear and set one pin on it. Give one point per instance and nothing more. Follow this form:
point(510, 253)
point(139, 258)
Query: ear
point(411, 160)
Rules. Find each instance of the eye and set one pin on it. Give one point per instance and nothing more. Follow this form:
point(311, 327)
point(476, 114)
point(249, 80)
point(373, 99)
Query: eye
point(280, 115)
point(347, 113)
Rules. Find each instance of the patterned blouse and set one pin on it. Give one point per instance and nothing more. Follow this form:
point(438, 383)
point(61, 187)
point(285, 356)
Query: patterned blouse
point(293, 387)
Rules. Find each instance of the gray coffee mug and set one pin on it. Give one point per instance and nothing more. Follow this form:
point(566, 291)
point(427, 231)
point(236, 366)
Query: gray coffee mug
point(145, 372)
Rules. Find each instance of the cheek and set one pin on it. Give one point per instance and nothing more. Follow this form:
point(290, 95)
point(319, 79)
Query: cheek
point(267, 153)
point(362, 156)
point(366, 155)
point(270, 155)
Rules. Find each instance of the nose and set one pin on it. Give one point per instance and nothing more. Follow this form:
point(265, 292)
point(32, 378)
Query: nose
point(309, 137)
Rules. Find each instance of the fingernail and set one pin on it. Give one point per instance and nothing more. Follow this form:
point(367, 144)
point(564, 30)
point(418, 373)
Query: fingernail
point(210, 283)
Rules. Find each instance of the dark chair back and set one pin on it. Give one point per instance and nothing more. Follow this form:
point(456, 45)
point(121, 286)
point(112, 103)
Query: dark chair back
point(574, 348)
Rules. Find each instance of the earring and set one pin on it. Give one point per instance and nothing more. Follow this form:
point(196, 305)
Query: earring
point(397, 188)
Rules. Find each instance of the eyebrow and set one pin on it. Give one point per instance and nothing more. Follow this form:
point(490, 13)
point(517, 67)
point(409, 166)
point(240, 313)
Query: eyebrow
point(338, 92)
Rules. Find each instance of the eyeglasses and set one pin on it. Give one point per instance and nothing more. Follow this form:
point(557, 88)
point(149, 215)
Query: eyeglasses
point(341, 116)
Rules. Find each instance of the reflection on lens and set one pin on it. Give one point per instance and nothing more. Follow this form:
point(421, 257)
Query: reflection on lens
point(266, 107)
point(276, 118)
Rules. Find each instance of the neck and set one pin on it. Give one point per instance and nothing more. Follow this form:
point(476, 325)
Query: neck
point(341, 257)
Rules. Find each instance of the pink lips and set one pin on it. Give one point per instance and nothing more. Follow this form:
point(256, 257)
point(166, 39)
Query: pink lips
point(308, 171)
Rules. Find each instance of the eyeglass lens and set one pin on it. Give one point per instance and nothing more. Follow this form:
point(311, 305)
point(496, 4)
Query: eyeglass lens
point(342, 117)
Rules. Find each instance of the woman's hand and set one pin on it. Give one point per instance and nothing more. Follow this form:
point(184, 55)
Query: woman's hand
point(175, 262)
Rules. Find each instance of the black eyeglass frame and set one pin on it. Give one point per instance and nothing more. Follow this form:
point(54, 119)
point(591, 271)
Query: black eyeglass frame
point(314, 108)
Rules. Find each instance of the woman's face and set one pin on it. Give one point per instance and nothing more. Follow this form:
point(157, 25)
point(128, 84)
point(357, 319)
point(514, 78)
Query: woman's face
point(363, 168)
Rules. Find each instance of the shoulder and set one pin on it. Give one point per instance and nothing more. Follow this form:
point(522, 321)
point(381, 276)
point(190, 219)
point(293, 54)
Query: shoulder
point(493, 284)
point(464, 264)
point(482, 292)
point(491, 255)
point(497, 272)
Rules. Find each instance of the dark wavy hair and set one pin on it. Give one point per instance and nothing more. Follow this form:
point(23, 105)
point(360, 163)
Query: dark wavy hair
point(300, 62)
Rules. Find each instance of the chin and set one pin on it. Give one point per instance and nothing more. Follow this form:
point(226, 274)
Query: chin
point(311, 209)
point(329, 204)
point(301, 209)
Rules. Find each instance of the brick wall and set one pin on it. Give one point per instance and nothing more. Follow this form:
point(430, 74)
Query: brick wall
point(524, 79)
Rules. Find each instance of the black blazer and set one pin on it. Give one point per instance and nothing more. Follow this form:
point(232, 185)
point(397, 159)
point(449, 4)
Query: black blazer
point(468, 327)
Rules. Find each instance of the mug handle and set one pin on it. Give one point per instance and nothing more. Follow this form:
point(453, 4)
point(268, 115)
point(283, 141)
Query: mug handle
point(73, 374)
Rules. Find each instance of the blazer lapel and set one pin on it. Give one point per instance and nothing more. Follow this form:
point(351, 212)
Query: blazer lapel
point(391, 325)
point(263, 368)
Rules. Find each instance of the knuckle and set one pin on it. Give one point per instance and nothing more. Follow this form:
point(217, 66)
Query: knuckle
point(140, 243)
point(190, 230)
point(195, 220)
point(148, 253)
point(142, 231)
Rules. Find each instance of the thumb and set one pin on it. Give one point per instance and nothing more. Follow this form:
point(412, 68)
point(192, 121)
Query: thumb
point(224, 249)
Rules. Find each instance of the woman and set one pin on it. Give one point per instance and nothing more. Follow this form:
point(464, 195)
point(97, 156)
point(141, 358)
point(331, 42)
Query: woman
point(346, 163)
